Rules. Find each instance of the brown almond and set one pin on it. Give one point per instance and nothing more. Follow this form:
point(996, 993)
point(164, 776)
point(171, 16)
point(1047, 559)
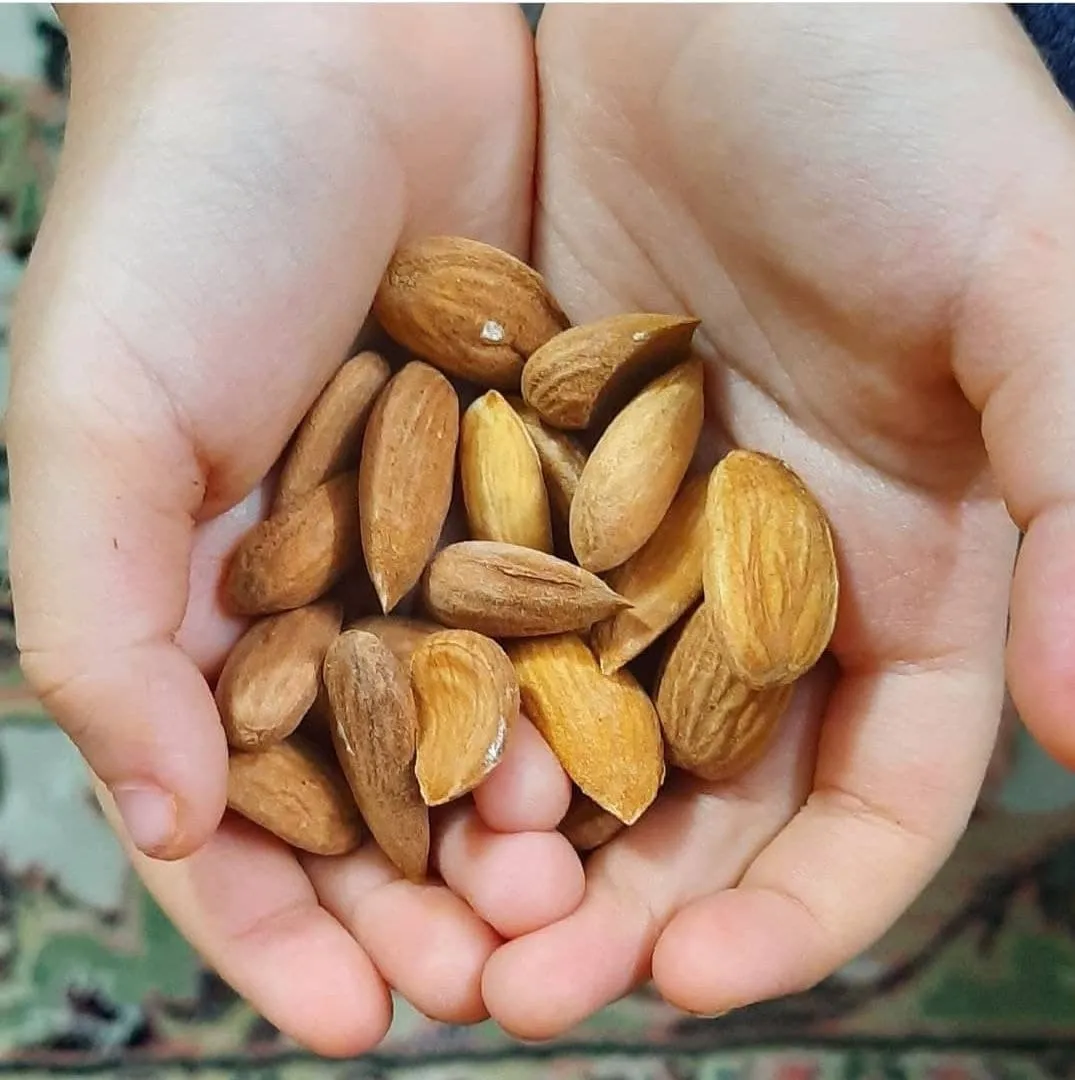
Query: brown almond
point(374, 731)
point(295, 556)
point(770, 571)
point(468, 698)
point(502, 590)
point(636, 468)
point(586, 825)
point(589, 372)
point(715, 725)
point(405, 477)
point(472, 310)
point(329, 438)
point(602, 728)
point(402, 635)
point(562, 459)
point(662, 580)
point(503, 485)
point(297, 793)
point(271, 677)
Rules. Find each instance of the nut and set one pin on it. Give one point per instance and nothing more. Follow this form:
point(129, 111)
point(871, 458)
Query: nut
point(586, 826)
point(400, 634)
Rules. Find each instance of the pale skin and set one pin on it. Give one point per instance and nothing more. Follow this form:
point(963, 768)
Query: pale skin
point(869, 208)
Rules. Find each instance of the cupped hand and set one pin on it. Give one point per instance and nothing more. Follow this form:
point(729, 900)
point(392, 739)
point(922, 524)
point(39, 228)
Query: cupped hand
point(870, 210)
point(232, 185)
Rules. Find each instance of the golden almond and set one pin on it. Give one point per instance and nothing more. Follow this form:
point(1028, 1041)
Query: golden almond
point(405, 478)
point(271, 677)
point(374, 730)
point(503, 590)
point(472, 310)
point(562, 459)
point(602, 728)
point(468, 698)
point(770, 571)
point(636, 468)
point(297, 793)
point(328, 440)
point(503, 485)
point(715, 725)
point(662, 580)
point(589, 372)
point(295, 556)
point(586, 825)
point(402, 635)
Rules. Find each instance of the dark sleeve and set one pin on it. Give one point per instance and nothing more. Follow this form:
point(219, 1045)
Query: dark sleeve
point(1052, 29)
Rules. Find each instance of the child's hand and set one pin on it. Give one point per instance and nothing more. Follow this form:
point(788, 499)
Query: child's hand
point(872, 210)
point(233, 183)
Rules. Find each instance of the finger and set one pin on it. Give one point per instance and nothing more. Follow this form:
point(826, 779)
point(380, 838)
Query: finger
point(517, 882)
point(528, 790)
point(244, 900)
point(696, 839)
point(901, 760)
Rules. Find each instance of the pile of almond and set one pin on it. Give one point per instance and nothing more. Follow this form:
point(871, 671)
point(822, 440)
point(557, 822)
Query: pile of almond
point(388, 661)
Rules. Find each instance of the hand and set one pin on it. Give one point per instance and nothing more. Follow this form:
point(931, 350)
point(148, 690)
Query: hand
point(870, 209)
point(232, 185)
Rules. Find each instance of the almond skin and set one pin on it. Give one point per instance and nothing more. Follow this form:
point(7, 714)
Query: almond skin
point(603, 729)
point(328, 440)
point(297, 793)
point(715, 725)
point(468, 698)
point(503, 485)
point(295, 556)
point(662, 580)
point(272, 675)
point(586, 825)
point(589, 372)
point(636, 468)
point(502, 590)
point(470, 309)
point(402, 635)
point(770, 570)
point(405, 478)
point(374, 731)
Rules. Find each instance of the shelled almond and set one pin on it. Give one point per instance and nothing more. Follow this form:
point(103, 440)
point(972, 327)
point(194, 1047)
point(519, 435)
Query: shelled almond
point(585, 537)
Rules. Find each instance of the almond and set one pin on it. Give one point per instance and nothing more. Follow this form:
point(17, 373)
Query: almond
point(586, 825)
point(468, 698)
point(502, 590)
point(589, 372)
point(405, 477)
point(472, 310)
point(328, 440)
point(770, 571)
point(298, 794)
point(602, 728)
point(636, 468)
point(562, 459)
point(402, 635)
point(662, 580)
point(295, 556)
point(503, 485)
point(715, 725)
point(272, 675)
point(374, 730)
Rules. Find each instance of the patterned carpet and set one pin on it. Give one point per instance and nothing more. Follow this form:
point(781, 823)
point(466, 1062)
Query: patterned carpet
point(977, 980)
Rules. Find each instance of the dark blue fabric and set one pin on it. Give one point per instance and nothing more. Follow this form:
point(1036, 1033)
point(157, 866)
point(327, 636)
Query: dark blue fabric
point(1052, 29)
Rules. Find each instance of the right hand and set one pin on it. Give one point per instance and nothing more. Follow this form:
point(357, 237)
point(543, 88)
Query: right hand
point(233, 183)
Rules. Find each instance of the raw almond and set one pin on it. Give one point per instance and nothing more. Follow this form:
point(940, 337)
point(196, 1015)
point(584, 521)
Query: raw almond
point(468, 698)
point(374, 730)
point(662, 580)
point(636, 468)
point(295, 556)
point(602, 728)
point(715, 725)
point(562, 458)
point(503, 590)
point(586, 825)
point(402, 635)
point(472, 310)
point(298, 794)
point(272, 675)
point(328, 440)
point(770, 569)
point(405, 477)
point(503, 484)
point(589, 372)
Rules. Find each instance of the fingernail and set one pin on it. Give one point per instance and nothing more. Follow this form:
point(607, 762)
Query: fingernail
point(148, 815)
point(709, 1016)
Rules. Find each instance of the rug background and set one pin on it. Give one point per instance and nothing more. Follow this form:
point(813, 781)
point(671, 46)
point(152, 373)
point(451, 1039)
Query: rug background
point(978, 979)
